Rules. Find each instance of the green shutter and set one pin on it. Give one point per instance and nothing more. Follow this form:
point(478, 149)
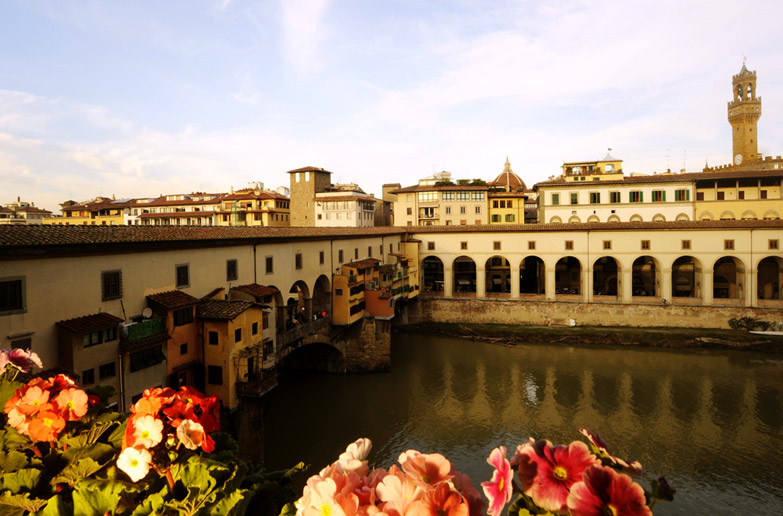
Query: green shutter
point(687, 195)
point(641, 196)
point(664, 196)
point(630, 196)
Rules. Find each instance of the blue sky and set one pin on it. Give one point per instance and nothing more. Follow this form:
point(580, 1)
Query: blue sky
point(142, 98)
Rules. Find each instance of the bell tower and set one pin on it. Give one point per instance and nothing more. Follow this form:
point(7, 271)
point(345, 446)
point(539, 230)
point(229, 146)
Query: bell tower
point(744, 114)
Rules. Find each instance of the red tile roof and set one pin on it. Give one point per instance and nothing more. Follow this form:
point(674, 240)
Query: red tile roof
point(669, 178)
point(256, 290)
point(363, 264)
point(176, 214)
point(226, 310)
point(324, 198)
point(308, 169)
point(173, 299)
point(417, 188)
point(90, 323)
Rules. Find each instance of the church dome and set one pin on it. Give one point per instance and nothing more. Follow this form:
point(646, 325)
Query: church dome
point(509, 178)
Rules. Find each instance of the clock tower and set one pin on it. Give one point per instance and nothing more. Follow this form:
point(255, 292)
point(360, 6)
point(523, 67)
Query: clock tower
point(744, 113)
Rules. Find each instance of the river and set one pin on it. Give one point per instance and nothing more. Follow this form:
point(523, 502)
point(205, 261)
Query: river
point(710, 421)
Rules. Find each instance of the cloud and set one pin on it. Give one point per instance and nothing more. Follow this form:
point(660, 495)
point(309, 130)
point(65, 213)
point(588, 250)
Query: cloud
point(303, 33)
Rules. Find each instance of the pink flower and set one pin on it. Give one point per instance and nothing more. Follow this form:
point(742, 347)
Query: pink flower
point(602, 450)
point(498, 489)
point(135, 462)
point(191, 434)
point(428, 469)
point(547, 472)
point(463, 484)
point(147, 431)
point(441, 501)
point(24, 360)
point(604, 491)
point(397, 490)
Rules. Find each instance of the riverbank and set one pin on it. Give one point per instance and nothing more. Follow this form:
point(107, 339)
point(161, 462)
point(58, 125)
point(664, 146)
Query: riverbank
point(511, 335)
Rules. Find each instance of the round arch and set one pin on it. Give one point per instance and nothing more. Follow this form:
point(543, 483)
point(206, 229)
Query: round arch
point(706, 215)
point(573, 219)
point(555, 220)
point(686, 277)
point(728, 278)
point(605, 272)
point(432, 274)
point(771, 214)
point(593, 218)
point(497, 275)
point(636, 218)
point(727, 215)
point(568, 276)
point(322, 296)
point(658, 217)
point(682, 217)
point(613, 218)
point(770, 278)
point(464, 270)
point(749, 215)
point(645, 277)
point(532, 278)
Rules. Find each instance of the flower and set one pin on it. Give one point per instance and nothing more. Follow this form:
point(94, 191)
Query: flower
point(32, 399)
point(47, 424)
point(24, 360)
point(426, 468)
point(604, 491)
point(498, 489)
point(352, 459)
point(602, 450)
point(147, 431)
point(191, 434)
point(441, 501)
point(135, 462)
point(547, 472)
point(397, 490)
point(71, 403)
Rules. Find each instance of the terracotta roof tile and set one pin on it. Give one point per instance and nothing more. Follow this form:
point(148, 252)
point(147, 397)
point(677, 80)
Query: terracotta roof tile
point(363, 264)
point(173, 299)
point(308, 169)
point(90, 323)
point(256, 290)
point(668, 178)
point(227, 310)
point(417, 188)
point(319, 197)
point(602, 226)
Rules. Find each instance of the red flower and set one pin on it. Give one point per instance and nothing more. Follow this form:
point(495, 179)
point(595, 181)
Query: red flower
point(210, 414)
point(604, 491)
point(47, 425)
point(547, 472)
point(602, 450)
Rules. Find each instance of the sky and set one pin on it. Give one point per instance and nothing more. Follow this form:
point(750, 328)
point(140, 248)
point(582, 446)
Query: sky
point(143, 98)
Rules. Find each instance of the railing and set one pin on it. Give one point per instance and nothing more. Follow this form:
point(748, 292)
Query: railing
point(257, 387)
point(298, 332)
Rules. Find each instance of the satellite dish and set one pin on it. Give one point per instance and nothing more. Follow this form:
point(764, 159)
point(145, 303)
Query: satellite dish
point(146, 313)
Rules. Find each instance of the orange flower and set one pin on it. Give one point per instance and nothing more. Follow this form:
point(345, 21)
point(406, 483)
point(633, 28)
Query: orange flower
point(71, 403)
point(47, 425)
point(32, 400)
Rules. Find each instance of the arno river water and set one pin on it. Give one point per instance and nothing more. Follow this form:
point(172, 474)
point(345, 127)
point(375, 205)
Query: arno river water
point(710, 421)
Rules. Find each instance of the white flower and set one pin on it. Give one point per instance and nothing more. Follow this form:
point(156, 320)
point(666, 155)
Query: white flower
point(147, 431)
point(135, 462)
point(191, 434)
point(352, 459)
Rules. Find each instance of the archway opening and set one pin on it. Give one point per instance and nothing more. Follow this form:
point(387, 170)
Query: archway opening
point(727, 279)
point(686, 277)
point(605, 276)
point(770, 276)
point(298, 305)
point(531, 276)
point(568, 274)
point(322, 297)
point(644, 279)
point(432, 274)
point(498, 275)
point(464, 275)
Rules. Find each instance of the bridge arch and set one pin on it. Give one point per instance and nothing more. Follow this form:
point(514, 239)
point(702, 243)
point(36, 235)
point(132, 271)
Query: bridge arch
point(322, 296)
point(645, 277)
point(432, 274)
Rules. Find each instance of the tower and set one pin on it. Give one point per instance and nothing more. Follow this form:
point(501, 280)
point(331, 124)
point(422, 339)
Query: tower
point(305, 183)
point(744, 114)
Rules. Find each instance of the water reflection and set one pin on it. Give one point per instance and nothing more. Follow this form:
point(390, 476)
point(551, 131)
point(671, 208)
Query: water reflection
point(711, 421)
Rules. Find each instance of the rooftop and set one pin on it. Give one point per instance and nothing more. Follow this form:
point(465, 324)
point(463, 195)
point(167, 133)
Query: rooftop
point(256, 290)
point(173, 299)
point(227, 310)
point(90, 323)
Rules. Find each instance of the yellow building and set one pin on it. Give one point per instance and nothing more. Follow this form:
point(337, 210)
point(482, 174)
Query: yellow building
point(507, 197)
point(607, 169)
point(101, 211)
point(254, 208)
point(194, 209)
point(438, 201)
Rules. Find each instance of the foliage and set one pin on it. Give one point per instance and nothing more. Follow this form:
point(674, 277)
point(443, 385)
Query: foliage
point(444, 183)
point(63, 453)
point(478, 182)
point(749, 324)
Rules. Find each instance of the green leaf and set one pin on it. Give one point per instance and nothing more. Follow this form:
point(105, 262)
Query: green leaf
point(289, 509)
point(10, 439)
point(54, 507)
point(12, 461)
point(19, 481)
point(75, 471)
point(152, 503)
point(115, 438)
point(88, 436)
point(96, 497)
point(7, 389)
point(19, 504)
point(235, 502)
point(99, 452)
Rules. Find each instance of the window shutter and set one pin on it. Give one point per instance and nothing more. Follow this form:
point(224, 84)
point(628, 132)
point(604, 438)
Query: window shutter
point(687, 195)
point(641, 196)
point(664, 196)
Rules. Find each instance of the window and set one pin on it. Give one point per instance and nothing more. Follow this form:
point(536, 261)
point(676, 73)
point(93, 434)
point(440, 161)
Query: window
point(183, 348)
point(728, 244)
point(477, 196)
point(213, 338)
point(463, 245)
point(595, 197)
point(265, 321)
point(107, 371)
point(463, 196)
point(682, 195)
point(494, 204)
point(182, 275)
point(338, 292)
point(774, 244)
point(510, 217)
point(658, 196)
point(478, 209)
point(645, 244)
point(340, 256)
point(721, 196)
point(238, 335)
point(88, 376)
point(232, 270)
point(183, 316)
point(741, 194)
point(254, 329)
point(574, 198)
point(298, 260)
point(145, 358)
point(448, 210)
point(355, 253)
point(509, 204)
point(496, 245)
point(92, 339)
point(555, 199)
point(269, 265)
point(569, 245)
point(430, 246)
point(614, 197)
point(531, 244)
point(428, 196)
point(410, 211)
point(463, 210)
point(215, 375)
point(447, 196)
point(111, 285)
point(12, 295)
point(22, 343)
point(686, 244)
point(763, 194)
point(699, 196)
point(607, 244)
point(321, 257)
point(495, 218)
point(635, 196)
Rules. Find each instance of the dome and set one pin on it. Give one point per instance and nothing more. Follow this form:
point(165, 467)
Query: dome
point(509, 178)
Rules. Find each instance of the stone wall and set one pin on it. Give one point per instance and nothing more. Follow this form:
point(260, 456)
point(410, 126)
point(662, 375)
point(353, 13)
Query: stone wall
point(367, 347)
point(545, 313)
